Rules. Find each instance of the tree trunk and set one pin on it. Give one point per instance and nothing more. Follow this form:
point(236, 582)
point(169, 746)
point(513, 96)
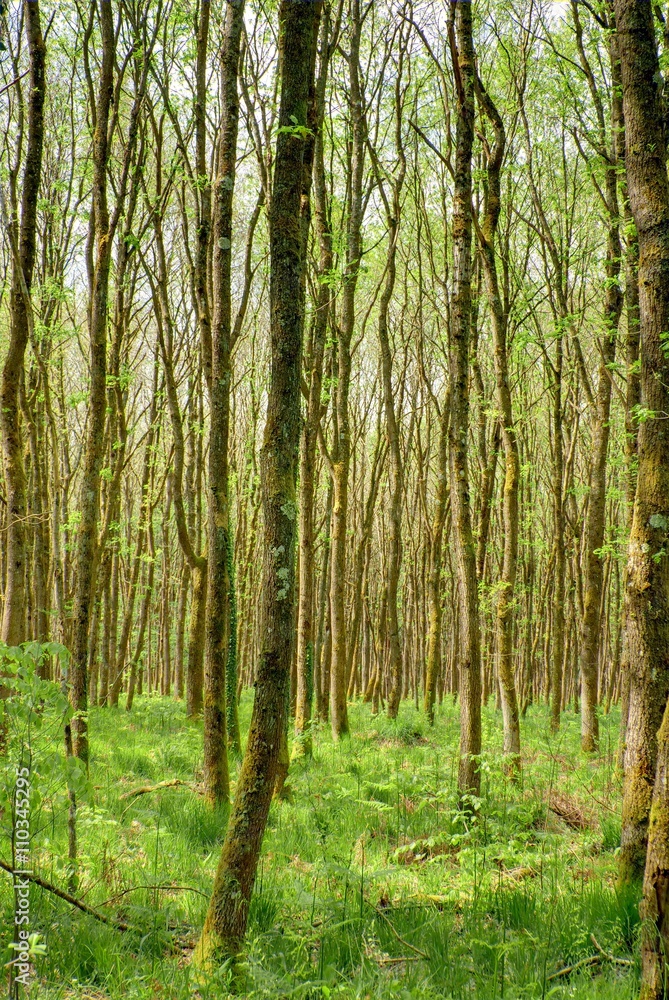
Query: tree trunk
point(647, 610)
point(216, 779)
point(654, 908)
point(227, 916)
point(22, 237)
point(433, 668)
point(499, 309)
point(342, 449)
point(591, 620)
point(308, 442)
point(462, 51)
point(86, 557)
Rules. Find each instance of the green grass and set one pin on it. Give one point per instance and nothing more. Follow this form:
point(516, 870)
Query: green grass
point(368, 861)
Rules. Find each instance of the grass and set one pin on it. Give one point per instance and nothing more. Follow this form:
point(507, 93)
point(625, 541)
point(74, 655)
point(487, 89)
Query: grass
point(372, 883)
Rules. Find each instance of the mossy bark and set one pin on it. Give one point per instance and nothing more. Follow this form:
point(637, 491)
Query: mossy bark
point(462, 51)
point(499, 309)
point(23, 248)
point(341, 457)
point(217, 628)
point(225, 923)
point(589, 643)
point(647, 598)
point(87, 555)
point(434, 666)
point(314, 371)
point(654, 908)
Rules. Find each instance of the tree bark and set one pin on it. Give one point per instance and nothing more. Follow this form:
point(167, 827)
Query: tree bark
point(86, 556)
point(589, 645)
point(647, 598)
point(499, 309)
point(342, 446)
point(22, 238)
point(227, 916)
point(462, 51)
point(435, 615)
point(309, 439)
point(216, 779)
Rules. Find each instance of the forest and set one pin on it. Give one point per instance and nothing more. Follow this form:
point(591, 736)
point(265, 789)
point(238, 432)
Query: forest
point(334, 499)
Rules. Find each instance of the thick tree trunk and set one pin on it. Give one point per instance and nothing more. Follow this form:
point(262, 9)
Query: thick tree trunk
point(647, 598)
point(227, 916)
point(654, 908)
point(22, 237)
point(462, 50)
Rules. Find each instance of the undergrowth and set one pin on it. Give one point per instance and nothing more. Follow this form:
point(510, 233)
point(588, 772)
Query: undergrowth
point(372, 884)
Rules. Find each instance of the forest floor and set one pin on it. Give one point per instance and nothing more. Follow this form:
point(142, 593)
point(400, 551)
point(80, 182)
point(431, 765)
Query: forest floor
point(372, 883)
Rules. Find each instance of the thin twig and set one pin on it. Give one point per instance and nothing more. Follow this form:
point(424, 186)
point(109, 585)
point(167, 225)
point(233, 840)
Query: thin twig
point(13, 83)
point(608, 955)
point(406, 944)
point(396, 961)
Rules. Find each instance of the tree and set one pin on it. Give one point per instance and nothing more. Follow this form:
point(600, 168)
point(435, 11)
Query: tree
point(22, 240)
point(499, 310)
point(218, 534)
point(227, 916)
point(462, 52)
point(647, 599)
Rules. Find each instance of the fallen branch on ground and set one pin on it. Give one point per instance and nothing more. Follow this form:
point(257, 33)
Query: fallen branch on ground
point(146, 789)
point(590, 960)
point(72, 900)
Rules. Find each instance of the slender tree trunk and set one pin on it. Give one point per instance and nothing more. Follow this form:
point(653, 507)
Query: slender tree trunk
point(86, 557)
point(182, 605)
point(231, 669)
point(435, 614)
point(216, 779)
point(396, 465)
point(226, 920)
point(22, 238)
point(462, 51)
point(323, 647)
point(144, 514)
point(342, 450)
point(141, 629)
point(308, 441)
point(499, 309)
point(557, 638)
point(591, 619)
